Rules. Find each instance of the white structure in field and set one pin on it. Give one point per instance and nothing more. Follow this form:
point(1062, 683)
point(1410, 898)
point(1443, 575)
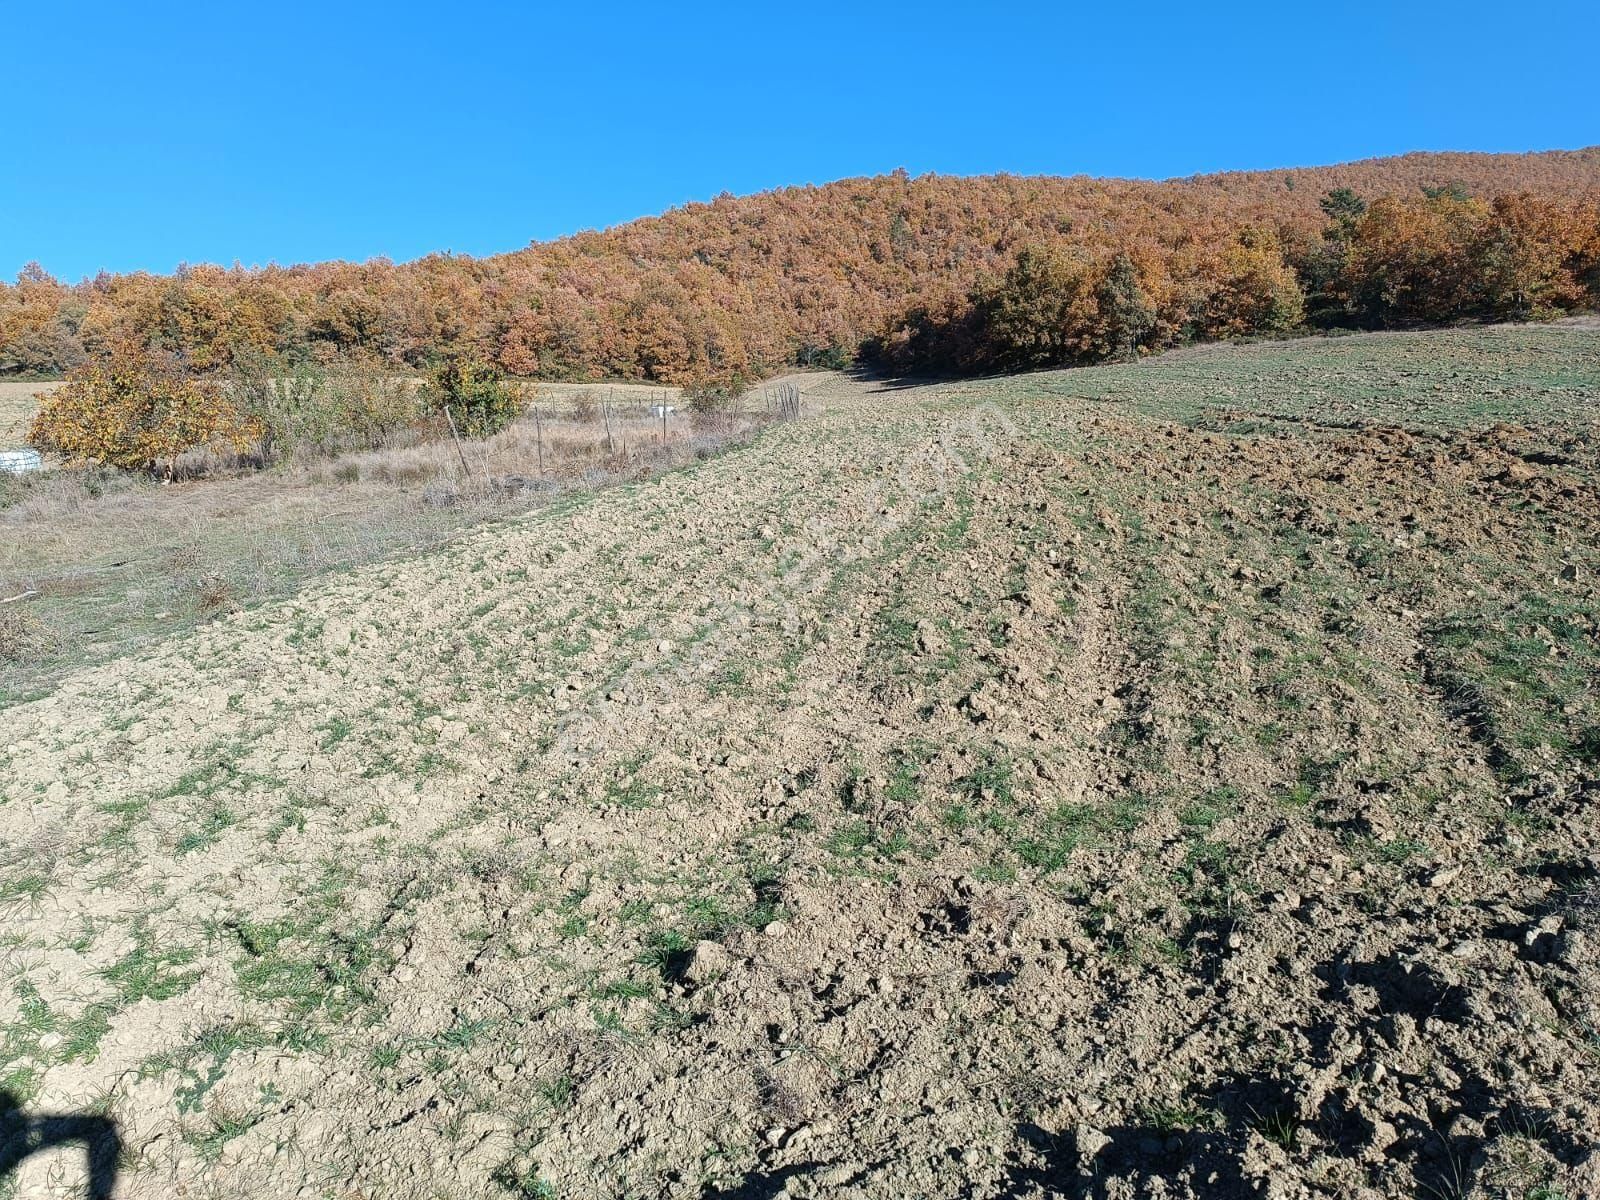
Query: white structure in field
point(663, 410)
point(20, 462)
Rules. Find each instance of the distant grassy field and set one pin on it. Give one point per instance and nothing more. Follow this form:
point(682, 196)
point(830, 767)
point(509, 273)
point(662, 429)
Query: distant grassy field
point(18, 403)
point(1174, 779)
point(1446, 379)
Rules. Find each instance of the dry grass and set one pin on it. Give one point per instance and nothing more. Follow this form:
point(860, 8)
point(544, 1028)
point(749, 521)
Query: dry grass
point(569, 442)
point(628, 398)
point(117, 559)
point(21, 634)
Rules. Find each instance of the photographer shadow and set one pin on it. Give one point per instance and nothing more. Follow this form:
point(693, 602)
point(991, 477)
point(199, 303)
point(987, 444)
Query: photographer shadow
point(23, 1135)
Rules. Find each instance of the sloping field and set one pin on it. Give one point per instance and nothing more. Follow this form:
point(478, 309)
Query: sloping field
point(1165, 780)
point(111, 561)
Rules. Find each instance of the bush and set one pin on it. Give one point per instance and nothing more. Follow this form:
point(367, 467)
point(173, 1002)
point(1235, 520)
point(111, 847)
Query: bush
point(138, 412)
point(474, 394)
point(584, 406)
point(22, 635)
point(832, 355)
point(712, 404)
point(304, 408)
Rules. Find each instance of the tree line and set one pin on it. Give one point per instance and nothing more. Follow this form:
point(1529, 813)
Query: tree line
point(1434, 258)
point(931, 272)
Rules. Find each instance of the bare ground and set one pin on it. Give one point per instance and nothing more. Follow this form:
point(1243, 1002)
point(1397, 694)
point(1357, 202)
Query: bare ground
point(1055, 786)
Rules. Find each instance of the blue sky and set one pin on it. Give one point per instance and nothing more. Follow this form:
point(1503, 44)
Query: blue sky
point(142, 135)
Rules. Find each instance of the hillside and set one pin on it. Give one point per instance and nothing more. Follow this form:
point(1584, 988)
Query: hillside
point(743, 286)
point(1172, 778)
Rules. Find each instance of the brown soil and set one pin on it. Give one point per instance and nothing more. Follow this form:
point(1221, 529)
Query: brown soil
point(933, 799)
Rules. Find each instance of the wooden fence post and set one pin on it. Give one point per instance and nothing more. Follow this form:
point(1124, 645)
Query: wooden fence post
point(456, 438)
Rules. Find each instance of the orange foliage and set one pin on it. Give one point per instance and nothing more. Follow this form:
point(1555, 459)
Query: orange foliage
point(137, 413)
point(1250, 289)
point(807, 274)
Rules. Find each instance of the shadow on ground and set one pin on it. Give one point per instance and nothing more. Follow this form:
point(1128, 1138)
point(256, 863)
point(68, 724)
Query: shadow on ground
point(23, 1135)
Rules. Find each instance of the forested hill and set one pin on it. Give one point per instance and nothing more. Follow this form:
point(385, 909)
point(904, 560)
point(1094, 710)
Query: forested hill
point(742, 285)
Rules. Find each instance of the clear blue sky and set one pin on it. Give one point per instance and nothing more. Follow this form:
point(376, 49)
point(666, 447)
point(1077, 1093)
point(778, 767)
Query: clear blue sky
point(139, 135)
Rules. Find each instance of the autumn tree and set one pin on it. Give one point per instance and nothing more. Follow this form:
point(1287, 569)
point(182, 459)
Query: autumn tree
point(40, 324)
point(1252, 291)
point(1124, 316)
point(141, 412)
point(1532, 258)
point(1041, 310)
point(805, 274)
point(1410, 260)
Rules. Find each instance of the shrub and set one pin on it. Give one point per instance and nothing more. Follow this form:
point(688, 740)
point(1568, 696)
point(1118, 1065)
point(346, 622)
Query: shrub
point(22, 635)
point(832, 355)
point(305, 408)
point(585, 406)
point(712, 404)
point(474, 394)
point(138, 412)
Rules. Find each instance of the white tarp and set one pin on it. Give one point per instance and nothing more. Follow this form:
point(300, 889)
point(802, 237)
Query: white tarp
point(20, 462)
